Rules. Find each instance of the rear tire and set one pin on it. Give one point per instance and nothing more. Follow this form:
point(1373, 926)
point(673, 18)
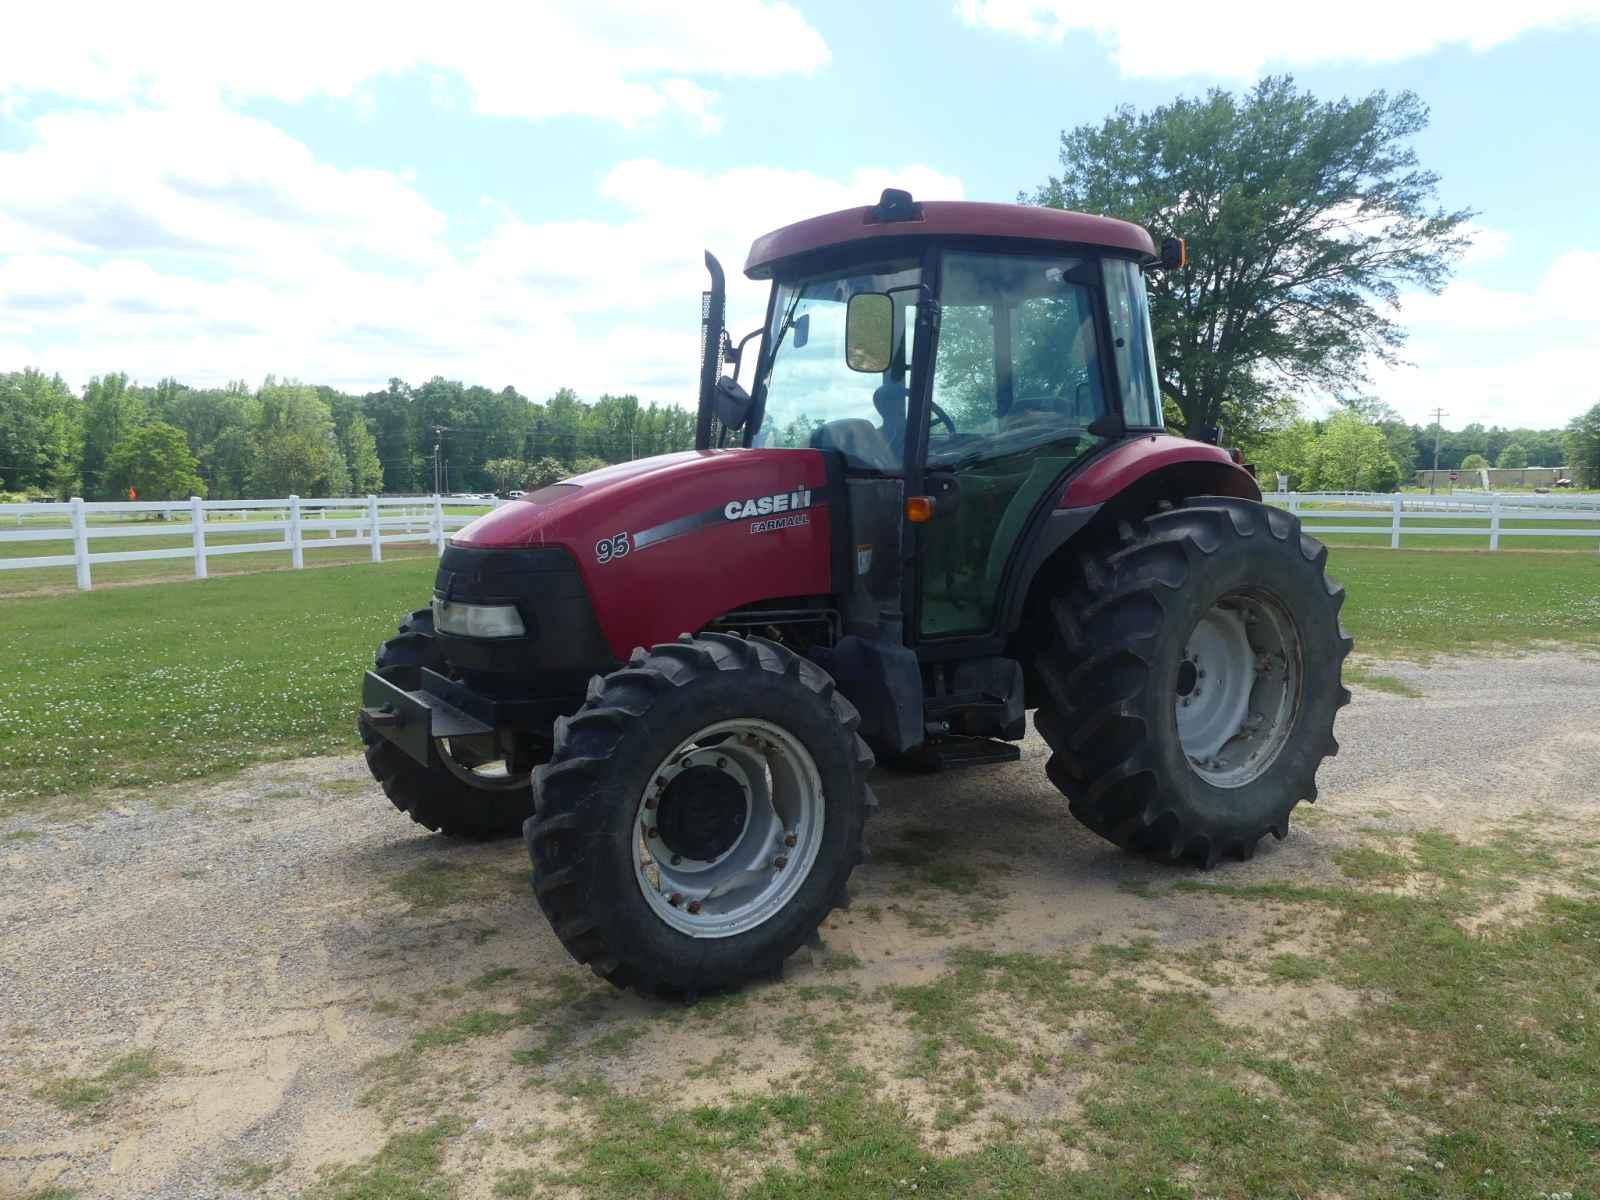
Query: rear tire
point(604, 830)
point(1124, 680)
point(441, 800)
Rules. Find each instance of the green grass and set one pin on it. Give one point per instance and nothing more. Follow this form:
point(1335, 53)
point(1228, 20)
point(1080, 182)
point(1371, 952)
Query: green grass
point(87, 1096)
point(407, 1168)
point(430, 886)
point(146, 685)
point(248, 1176)
point(149, 685)
point(1360, 673)
point(1415, 604)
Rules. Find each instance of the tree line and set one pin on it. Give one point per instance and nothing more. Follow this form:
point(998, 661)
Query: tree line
point(1364, 446)
point(171, 440)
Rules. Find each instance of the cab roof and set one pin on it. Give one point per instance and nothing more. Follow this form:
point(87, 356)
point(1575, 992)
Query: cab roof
point(898, 216)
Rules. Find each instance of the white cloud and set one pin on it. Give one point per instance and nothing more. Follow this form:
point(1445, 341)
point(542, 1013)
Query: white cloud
point(618, 60)
point(212, 246)
point(1502, 356)
point(1488, 244)
point(1238, 39)
point(1565, 296)
point(1541, 388)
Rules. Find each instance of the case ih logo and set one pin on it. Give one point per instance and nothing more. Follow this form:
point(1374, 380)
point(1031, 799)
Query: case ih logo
point(766, 506)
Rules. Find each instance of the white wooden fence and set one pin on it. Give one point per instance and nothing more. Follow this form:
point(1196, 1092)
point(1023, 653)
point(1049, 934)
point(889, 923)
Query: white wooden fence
point(300, 524)
point(1386, 513)
point(376, 521)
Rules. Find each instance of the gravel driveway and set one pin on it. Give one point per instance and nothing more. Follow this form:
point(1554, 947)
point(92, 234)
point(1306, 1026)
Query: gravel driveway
point(267, 939)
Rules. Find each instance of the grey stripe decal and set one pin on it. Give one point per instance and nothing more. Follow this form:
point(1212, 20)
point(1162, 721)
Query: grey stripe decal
point(677, 528)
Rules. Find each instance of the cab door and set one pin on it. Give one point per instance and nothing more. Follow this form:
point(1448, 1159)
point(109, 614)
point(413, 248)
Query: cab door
point(1018, 380)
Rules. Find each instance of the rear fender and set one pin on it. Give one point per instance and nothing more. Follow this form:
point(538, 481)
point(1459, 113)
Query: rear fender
point(1123, 484)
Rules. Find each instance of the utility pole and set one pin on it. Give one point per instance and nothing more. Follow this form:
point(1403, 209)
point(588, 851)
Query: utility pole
point(1438, 425)
point(438, 464)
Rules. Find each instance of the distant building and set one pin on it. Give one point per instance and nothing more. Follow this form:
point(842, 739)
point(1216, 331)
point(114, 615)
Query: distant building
point(1499, 477)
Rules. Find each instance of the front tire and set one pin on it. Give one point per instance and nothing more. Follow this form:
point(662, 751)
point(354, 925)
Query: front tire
point(462, 794)
point(700, 814)
point(1192, 678)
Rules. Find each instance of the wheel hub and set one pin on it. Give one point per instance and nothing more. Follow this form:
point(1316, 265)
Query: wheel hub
point(701, 813)
point(1237, 688)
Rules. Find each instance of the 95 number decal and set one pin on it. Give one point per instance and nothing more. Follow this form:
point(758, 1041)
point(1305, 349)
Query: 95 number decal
point(613, 547)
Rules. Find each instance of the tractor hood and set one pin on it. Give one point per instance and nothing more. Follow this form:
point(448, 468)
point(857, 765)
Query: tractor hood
point(664, 545)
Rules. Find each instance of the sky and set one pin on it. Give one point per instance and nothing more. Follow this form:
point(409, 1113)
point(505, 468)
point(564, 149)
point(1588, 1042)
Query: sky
point(520, 193)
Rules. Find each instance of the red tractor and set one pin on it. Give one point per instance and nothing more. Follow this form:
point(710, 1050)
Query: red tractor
point(946, 498)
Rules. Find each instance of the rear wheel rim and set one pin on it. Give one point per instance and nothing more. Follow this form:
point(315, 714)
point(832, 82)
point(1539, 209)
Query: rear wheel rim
point(728, 828)
point(467, 764)
point(1237, 691)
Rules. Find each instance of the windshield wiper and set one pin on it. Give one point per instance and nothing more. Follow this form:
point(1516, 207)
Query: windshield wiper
point(783, 330)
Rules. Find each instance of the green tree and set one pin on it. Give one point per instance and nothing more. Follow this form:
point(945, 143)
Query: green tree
point(1513, 456)
point(507, 473)
point(110, 412)
point(41, 433)
point(361, 458)
point(154, 460)
point(1474, 462)
point(1303, 218)
point(1350, 456)
point(545, 472)
point(1284, 451)
point(1582, 444)
point(296, 449)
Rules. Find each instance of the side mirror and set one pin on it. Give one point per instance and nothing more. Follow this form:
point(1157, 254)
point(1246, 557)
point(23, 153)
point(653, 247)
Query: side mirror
point(732, 402)
point(1174, 254)
point(802, 331)
point(869, 332)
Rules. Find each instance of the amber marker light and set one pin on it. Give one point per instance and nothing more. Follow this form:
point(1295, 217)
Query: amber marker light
point(919, 509)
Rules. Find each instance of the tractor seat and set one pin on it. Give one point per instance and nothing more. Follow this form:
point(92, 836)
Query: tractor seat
point(859, 441)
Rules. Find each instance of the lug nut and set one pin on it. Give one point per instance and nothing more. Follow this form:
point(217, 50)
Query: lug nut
point(789, 839)
point(652, 831)
point(661, 781)
point(676, 859)
point(650, 803)
point(721, 763)
point(781, 861)
point(675, 899)
point(694, 906)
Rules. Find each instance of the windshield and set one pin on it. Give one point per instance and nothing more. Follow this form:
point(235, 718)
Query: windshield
point(812, 397)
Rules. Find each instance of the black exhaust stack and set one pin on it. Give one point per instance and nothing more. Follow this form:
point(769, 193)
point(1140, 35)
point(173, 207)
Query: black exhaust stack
point(713, 308)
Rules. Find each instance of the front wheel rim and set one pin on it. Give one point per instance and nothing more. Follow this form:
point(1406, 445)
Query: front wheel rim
point(728, 828)
point(1238, 688)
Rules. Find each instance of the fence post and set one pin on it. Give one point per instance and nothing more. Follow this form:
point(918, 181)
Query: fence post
point(1394, 525)
point(297, 554)
point(438, 522)
point(197, 516)
point(1294, 503)
point(377, 533)
point(80, 542)
point(1494, 523)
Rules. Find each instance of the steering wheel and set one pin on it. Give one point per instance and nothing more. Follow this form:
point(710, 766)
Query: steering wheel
point(945, 417)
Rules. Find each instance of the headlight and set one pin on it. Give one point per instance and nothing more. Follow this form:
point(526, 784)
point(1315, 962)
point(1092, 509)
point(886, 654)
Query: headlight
point(477, 620)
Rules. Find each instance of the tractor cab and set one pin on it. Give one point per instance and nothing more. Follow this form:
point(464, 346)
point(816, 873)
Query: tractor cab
point(968, 356)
